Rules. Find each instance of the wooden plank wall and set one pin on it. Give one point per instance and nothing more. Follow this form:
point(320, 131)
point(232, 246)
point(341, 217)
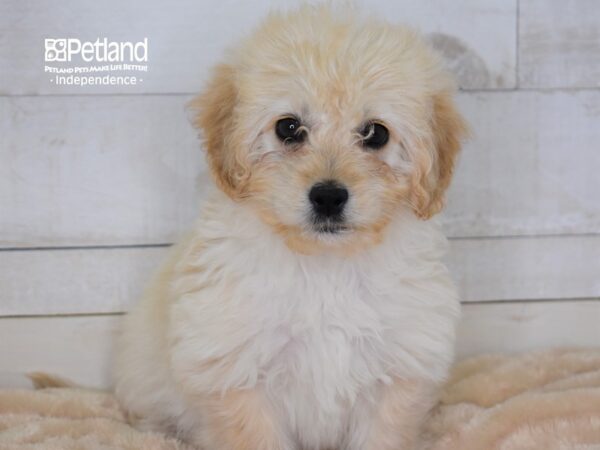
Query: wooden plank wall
point(96, 182)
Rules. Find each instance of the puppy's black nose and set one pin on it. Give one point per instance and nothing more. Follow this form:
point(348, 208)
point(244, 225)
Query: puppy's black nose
point(328, 199)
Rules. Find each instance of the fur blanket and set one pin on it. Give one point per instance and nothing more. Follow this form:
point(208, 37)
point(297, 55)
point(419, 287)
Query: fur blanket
point(548, 400)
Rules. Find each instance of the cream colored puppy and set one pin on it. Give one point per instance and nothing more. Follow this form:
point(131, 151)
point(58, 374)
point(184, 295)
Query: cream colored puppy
point(308, 309)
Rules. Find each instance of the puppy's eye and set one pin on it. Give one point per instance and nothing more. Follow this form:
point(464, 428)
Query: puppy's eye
point(375, 135)
point(289, 130)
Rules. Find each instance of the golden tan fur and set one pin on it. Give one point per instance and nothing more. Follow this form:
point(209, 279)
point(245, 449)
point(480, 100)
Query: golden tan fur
point(216, 119)
point(449, 130)
point(240, 420)
point(403, 408)
point(43, 380)
point(337, 87)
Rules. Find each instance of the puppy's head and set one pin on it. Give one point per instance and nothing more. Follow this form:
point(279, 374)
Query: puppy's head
point(328, 124)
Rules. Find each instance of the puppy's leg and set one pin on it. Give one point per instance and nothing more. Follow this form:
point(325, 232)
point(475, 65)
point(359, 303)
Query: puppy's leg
point(396, 418)
point(239, 420)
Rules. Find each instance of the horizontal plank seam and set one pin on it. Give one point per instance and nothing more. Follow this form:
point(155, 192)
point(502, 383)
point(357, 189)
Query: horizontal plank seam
point(107, 94)
point(464, 304)
point(591, 88)
point(85, 247)
point(167, 244)
point(530, 300)
point(524, 236)
point(63, 315)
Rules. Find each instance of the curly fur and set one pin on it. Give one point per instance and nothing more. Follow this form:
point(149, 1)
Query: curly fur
point(261, 332)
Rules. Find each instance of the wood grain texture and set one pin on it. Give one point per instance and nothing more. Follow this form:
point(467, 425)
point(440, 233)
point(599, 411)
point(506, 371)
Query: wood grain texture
point(531, 166)
point(118, 171)
point(526, 268)
point(79, 348)
point(559, 43)
point(37, 282)
point(121, 170)
point(96, 170)
point(186, 37)
point(516, 327)
point(75, 281)
point(76, 348)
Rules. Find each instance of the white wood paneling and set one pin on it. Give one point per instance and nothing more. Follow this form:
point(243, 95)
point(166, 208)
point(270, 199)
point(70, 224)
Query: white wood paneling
point(516, 327)
point(129, 169)
point(124, 170)
point(482, 55)
point(79, 348)
point(75, 281)
point(110, 280)
point(526, 268)
point(96, 170)
point(531, 166)
point(559, 43)
point(186, 37)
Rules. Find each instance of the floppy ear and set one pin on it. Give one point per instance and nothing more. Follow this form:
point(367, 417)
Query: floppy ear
point(215, 109)
point(433, 176)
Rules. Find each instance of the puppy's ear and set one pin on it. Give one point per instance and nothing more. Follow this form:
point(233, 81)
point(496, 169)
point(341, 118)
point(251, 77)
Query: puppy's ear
point(214, 115)
point(436, 166)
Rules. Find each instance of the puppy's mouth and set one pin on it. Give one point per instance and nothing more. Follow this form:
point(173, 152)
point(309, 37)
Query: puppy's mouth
point(330, 227)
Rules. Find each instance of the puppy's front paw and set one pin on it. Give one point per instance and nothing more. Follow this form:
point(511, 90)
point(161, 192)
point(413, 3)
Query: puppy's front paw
point(239, 420)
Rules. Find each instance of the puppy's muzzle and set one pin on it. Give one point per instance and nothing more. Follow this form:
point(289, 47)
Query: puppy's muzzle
point(328, 200)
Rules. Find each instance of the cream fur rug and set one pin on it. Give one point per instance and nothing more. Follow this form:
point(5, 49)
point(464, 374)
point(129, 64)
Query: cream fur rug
point(543, 401)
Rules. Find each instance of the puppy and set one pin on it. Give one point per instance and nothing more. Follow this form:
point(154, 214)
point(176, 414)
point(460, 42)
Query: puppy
point(308, 309)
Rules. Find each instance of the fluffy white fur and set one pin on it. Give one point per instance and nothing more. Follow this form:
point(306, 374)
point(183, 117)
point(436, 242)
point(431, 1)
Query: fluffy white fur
point(260, 333)
point(318, 334)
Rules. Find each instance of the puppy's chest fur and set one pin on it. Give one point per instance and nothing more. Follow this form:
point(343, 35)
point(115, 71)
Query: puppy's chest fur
point(317, 333)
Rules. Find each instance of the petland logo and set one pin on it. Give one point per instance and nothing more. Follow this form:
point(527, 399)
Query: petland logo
point(104, 56)
point(61, 50)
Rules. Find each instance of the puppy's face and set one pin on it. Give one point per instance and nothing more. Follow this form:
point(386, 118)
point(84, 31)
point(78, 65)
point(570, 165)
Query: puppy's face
point(327, 126)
